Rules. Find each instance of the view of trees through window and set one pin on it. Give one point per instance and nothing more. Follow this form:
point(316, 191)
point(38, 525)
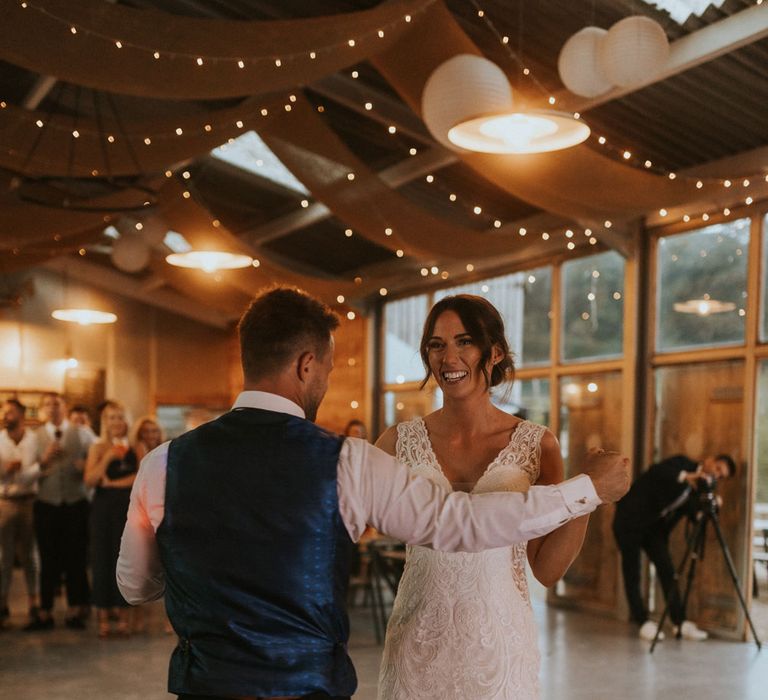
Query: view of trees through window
point(593, 307)
point(702, 286)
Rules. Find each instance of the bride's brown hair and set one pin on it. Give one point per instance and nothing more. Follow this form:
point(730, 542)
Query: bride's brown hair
point(484, 324)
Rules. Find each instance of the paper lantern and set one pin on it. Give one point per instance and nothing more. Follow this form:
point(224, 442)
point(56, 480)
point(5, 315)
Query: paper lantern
point(464, 87)
point(579, 63)
point(130, 253)
point(154, 230)
point(634, 50)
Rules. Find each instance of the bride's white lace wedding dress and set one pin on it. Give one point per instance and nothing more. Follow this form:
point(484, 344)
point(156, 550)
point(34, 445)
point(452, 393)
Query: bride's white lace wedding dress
point(462, 626)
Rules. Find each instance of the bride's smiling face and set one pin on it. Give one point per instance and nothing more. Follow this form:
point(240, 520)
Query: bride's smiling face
point(454, 357)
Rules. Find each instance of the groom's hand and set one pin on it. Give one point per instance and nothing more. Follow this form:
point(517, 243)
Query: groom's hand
point(610, 474)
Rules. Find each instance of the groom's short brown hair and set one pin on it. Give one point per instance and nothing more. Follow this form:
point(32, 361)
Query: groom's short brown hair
point(280, 323)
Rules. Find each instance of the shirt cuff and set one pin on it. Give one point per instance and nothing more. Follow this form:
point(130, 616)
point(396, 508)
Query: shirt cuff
point(579, 494)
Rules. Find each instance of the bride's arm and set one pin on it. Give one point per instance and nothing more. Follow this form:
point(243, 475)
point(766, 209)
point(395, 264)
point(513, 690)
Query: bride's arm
point(551, 555)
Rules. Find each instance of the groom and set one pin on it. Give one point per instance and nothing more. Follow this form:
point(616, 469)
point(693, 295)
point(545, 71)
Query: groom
point(244, 524)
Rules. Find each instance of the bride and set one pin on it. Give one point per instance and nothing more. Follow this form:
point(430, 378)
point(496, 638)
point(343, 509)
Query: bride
point(462, 625)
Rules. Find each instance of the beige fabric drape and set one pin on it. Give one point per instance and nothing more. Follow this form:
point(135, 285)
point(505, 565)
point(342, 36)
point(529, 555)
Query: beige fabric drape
point(316, 156)
point(39, 38)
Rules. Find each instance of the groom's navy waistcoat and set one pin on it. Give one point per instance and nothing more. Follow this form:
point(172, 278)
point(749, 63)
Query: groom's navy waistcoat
point(256, 559)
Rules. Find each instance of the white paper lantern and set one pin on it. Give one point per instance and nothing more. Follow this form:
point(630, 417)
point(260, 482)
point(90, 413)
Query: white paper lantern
point(154, 230)
point(464, 87)
point(579, 63)
point(634, 50)
point(130, 253)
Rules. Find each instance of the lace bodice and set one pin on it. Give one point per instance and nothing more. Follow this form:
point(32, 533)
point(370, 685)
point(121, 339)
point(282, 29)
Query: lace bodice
point(462, 626)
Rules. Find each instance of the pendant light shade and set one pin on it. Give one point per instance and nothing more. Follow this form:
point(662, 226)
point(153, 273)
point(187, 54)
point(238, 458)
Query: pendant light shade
point(85, 317)
point(464, 87)
point(209, 260)
point(467, 105)
point(533, 131)
point(704, 306)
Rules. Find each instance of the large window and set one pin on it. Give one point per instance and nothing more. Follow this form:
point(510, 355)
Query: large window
point(527, 398)
point(523, 299)
point(762, 435)
point(702, 287)
point(403, 322)
point(593, 307)
point(591, 416)
point(764, 280)
point(700, 412)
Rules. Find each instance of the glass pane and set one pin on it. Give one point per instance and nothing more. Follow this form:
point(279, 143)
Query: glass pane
point(593, 307)
point(591, 416)
point(702, 287)
point(761, 429)
point(403, 322)
point(523, 300)
point(700, 412)
point(764, 315)
point(527, 399)
point(404, 405)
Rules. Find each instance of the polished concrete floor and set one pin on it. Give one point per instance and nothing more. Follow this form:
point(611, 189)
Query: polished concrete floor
point(583, 657)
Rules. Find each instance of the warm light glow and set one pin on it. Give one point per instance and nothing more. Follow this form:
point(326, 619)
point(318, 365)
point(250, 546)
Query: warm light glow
point(209, 260)
point(85, 317)
point(536, 131)
point(704, 306)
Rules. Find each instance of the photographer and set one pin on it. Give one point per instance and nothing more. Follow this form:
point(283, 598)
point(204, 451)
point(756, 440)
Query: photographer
point(643, 521)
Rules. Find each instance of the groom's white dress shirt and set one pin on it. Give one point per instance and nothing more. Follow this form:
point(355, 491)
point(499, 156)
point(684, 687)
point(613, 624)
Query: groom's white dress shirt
point(374, 489)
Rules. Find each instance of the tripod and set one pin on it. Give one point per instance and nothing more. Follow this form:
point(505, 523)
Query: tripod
point(695, 551)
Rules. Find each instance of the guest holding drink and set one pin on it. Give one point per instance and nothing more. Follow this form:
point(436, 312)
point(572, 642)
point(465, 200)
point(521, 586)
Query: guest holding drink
point(111, 469)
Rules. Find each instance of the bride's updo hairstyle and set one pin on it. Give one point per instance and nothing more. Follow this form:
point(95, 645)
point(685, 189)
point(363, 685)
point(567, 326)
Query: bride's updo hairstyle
point(484, 324)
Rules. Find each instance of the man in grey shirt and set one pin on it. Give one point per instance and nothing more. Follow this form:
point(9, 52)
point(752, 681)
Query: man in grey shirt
point(61, 515)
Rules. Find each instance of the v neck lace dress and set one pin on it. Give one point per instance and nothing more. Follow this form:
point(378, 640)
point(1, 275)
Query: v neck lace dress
point(462, 625)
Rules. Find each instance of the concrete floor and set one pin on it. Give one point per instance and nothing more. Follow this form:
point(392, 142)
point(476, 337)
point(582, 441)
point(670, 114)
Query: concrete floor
point(583, 656)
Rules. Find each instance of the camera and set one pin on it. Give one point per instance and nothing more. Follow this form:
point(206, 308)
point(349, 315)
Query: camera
point(705, 489)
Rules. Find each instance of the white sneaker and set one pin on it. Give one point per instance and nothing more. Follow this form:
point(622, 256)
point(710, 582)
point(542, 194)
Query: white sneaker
point(648, 631)
point(689, 630)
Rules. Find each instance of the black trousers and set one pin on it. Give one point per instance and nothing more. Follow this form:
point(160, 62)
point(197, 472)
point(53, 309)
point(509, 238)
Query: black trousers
point(62, 539)
point(655, 543)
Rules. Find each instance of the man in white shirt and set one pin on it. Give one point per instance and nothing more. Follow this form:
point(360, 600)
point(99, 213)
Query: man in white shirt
point(19, 470)
point(245, 522)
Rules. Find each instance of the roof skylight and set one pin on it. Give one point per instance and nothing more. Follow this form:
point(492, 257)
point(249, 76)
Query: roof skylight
point(250, 153)
point(681, 10)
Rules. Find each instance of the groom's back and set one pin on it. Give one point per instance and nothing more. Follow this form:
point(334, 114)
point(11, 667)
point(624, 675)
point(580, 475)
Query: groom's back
point(255, 554)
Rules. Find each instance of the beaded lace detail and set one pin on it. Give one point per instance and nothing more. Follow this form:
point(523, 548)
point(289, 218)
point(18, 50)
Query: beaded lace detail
point(462, 625)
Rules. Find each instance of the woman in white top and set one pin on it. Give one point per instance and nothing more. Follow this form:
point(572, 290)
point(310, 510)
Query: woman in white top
point(462, 625)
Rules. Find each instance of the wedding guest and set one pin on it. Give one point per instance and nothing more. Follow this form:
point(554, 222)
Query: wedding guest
point(19, 471)
point(79, 415)
point(61, 515)
point(111, 470)
point(356, 428)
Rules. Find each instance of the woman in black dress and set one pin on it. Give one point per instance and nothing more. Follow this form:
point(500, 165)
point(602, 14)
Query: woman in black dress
point(111, 469)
